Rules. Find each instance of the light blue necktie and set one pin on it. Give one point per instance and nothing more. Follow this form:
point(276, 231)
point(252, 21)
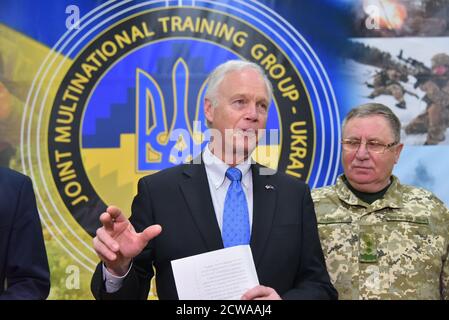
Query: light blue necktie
point(235, 214)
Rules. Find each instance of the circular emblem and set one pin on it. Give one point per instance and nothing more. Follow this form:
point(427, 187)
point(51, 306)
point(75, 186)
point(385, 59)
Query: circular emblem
point(121, 98)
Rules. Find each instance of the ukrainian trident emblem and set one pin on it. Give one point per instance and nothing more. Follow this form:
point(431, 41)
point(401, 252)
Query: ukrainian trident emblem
point(169, 131)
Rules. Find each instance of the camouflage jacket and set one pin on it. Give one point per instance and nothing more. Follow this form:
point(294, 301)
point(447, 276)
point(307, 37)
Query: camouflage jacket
point(435, 93)
point(395, 248)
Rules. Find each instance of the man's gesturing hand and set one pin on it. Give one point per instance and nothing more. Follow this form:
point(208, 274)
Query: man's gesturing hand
point(117, 242)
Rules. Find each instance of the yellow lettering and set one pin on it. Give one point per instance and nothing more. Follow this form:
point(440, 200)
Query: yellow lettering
point(136, 33)
point(188, 24)
point(65, 168)
point(59, 155)
point(64, 117)
point(68, 95)
point(146, 31)
point(268, 61)
point(298, 148)
point(164, 21)
point(122, 38)
point(72, 189)
point(87, 68)
point(175, 23)
point(79, 199)
point(109, 48)
point(226, 31)
point(207, 25)
point(92, 57)
point(239, 38)
point(63, 134)
point(79, 81)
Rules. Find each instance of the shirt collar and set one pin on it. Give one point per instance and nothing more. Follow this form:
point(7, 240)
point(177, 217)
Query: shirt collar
point(216, 168)
point(392, 198)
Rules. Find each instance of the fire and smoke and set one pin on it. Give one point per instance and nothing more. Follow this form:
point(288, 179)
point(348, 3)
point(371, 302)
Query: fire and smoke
point(391, 13)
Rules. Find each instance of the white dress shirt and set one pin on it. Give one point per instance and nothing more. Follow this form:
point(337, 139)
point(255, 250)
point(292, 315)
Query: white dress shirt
point(219, 183)
point(218, 186)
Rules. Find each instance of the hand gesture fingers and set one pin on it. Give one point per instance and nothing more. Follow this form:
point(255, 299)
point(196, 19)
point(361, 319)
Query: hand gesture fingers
point(261, 293)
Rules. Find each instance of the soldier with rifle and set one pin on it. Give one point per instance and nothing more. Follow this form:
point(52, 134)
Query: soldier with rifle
point(387, 82)
point(435, 83)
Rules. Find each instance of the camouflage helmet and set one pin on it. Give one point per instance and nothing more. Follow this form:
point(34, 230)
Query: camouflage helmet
point(440, 59)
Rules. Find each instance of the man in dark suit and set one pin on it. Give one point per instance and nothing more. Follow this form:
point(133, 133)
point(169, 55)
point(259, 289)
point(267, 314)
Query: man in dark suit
point(24, 272)
point(189, 209)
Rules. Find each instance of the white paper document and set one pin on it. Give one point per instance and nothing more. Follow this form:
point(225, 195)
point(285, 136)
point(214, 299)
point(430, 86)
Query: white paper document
point(224, 274)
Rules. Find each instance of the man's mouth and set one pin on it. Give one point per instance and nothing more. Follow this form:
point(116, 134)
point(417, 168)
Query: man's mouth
point(362, 168)
point(245, 131)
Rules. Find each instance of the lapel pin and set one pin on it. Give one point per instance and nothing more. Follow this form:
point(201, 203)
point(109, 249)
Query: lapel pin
point(269, 187)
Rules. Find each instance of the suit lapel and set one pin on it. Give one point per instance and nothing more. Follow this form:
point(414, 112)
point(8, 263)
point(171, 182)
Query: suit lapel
point(195, 188)
point(264, 205)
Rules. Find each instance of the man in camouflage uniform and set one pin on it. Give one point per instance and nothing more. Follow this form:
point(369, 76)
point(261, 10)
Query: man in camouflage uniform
point(435, 119)
point(381, 239)
point(387, 82)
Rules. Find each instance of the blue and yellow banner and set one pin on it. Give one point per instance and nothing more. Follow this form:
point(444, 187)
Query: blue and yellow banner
point(96, 94)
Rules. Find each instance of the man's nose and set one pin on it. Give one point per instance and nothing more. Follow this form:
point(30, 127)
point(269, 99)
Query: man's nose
point(362, 152)
point(251, 112)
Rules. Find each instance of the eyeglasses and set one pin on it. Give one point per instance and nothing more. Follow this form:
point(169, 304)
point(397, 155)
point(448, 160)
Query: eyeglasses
point(372, 146)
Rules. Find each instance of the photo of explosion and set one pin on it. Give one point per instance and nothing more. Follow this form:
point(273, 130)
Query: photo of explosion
point(401, 18)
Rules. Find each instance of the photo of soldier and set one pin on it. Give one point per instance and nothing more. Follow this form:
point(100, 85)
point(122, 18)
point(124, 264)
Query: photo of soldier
point(435, 119)
point(388, 82)
point(411, 76)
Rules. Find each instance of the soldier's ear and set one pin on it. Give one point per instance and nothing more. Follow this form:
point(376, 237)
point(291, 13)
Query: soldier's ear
point(397, 152)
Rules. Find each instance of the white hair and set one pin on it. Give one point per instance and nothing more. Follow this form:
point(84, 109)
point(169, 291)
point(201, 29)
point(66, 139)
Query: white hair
point(217, 76)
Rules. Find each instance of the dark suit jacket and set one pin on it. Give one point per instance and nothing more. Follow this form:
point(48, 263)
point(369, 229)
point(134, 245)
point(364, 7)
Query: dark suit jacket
point(284, 237)
point(23, 260)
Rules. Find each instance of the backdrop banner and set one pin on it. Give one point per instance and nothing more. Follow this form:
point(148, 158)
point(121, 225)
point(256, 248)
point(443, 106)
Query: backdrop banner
point(97, 94)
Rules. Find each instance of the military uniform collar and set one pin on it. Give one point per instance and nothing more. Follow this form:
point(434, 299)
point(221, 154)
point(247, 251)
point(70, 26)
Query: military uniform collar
point(391, 199)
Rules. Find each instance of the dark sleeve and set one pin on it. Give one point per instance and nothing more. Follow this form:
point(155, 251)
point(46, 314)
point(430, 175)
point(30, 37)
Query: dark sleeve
point(136, 284)
point(27, 272)
point(312, 280)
